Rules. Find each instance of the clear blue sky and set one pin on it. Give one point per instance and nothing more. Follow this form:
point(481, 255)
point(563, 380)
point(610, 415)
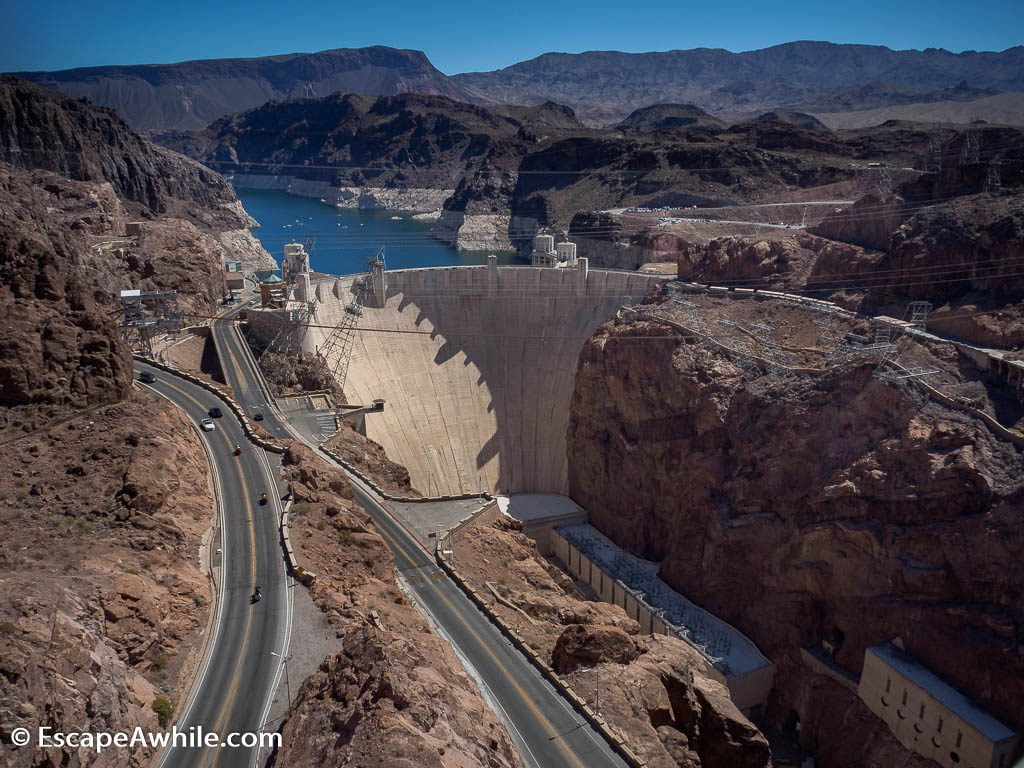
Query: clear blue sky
point(476, 34)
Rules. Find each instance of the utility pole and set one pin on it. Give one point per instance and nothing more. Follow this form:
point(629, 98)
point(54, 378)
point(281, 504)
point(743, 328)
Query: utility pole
point(287, 684)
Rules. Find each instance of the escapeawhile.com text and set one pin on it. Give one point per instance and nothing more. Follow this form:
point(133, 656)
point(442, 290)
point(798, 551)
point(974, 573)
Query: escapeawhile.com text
point(195, 737)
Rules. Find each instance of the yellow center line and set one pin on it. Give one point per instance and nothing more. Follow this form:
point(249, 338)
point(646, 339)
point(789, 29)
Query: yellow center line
point(538, 714)
point(541, 717)
point(227, 708)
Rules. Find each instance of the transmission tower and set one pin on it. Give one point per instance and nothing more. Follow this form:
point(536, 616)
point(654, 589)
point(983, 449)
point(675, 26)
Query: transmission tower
point(993, 182)
point(888, 367)
point(884, 180)
point(768, 349)
point(146, 314)
point(970, 151)
point(932, 162)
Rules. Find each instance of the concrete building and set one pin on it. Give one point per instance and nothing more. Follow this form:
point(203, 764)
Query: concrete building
point(544, 254)
point(633, 584)
point(547, 254)
point(930, 717)
point(294, 263)
point(273, 292)
point(234, 276)
point(540, 513)
point(566, 254)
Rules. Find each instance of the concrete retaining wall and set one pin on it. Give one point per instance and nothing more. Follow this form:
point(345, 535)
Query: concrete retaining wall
point(747, 690)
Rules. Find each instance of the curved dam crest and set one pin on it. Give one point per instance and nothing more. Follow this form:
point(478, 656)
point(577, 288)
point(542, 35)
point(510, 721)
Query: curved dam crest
point(477, 365)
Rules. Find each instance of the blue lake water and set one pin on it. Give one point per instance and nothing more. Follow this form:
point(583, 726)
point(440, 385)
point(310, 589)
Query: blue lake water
point(345, 238)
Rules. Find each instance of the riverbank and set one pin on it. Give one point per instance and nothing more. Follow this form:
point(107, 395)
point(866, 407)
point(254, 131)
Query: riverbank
point(345, 237)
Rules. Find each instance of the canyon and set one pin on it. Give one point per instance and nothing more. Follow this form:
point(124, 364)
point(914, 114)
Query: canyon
point(775, 477)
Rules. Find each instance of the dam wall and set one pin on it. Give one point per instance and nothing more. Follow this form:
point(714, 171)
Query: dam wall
point(478, 366)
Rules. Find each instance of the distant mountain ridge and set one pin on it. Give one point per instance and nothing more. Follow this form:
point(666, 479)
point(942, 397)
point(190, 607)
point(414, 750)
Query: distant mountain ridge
point(605, 86)
point(192, 94)
point(601, 87)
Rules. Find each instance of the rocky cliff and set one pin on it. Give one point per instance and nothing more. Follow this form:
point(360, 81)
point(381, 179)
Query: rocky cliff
point(71, 178)
point(808, 508)
point(498, 174)
point(396, 695)
point(104, 604)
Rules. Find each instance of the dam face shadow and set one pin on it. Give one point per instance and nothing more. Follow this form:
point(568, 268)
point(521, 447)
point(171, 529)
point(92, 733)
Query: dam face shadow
point(478, 376)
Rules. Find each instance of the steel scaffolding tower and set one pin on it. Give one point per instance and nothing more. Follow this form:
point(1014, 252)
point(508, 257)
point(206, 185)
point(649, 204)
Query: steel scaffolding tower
point(339, 343)
point(146, 314)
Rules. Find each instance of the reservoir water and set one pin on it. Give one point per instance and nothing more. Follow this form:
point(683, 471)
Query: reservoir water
point(345, 238)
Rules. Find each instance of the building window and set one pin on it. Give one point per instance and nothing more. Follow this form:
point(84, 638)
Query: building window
point(959, 738)
point(901, 714)
point(885, 701)
point(918, 728)
point(1002, 761)
point(888, 684)
point(940, 725)
point(935, 742)
point(921, 713)
point(904, 702)
point(954, 757)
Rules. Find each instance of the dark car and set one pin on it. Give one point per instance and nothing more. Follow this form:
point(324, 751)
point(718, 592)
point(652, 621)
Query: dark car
point(215, 412)
point(257, 416)
point(146, 377)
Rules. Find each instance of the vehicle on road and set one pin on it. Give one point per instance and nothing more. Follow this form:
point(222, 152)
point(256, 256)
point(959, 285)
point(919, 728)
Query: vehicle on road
point(238, 450)
point(206, 425)
point(256, 596)
point(263, 499)
point(146, 377)
point(215, 412)
point(257, 416)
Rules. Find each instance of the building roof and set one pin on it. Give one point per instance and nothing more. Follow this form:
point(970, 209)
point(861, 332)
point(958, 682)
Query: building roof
point(942, 692)
point(534, 507)
point(271, 278)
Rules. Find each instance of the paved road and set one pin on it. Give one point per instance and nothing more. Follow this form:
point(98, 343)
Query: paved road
point(239, 674)
point(547, 731)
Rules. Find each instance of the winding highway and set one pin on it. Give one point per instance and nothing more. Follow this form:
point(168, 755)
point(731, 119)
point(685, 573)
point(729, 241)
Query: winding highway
point(547, 731)
point(238, 675)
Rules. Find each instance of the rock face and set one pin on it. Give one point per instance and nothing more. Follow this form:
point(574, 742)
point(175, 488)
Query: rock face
point(654, 691)
point(71, 177)
point(690, 720)
point(805, 509)
point(192, 94)
point(41, 129)
point(58, 342)
point(102, 597)
point(396, 695)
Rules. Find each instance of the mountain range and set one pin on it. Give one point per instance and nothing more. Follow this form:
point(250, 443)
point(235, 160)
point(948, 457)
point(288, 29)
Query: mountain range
point(602, 87)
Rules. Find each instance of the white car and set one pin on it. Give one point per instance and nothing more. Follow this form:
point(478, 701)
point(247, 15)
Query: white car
point(206, 425)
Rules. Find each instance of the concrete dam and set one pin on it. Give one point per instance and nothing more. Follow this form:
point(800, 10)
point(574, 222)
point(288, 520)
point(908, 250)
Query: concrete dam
point(477, 366)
